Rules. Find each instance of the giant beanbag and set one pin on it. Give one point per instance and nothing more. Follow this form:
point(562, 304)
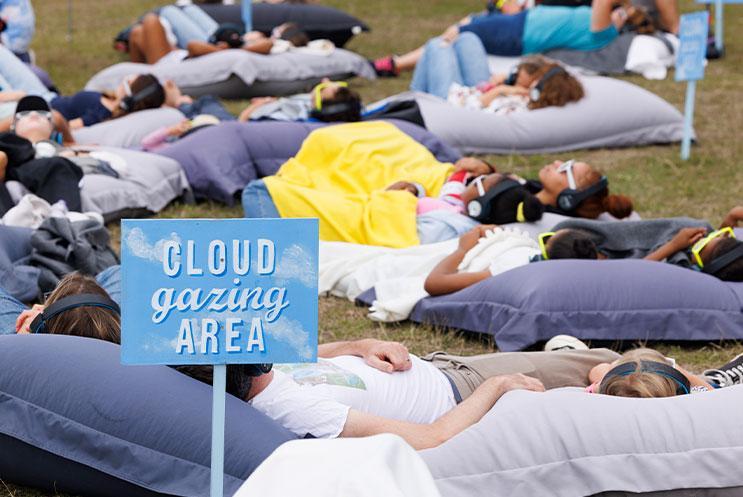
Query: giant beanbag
point(593, 300)
point(567, 443)
point(318, 21)
point(17, 277)
point(613, 113)
point(75, 420)
point(221, 160)
point(240, 74)
point(128, 131)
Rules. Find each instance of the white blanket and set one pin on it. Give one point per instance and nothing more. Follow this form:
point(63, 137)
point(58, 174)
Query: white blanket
point(398, 275)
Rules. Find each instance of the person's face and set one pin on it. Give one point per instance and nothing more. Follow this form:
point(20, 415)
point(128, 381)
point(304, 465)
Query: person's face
point(329, 89)
point(404, 186)
point(488, 181)
point(34, 126)
point(708, 250)
point(525, 80)
point(123, 90)
point(555, 181)
point(511, 7)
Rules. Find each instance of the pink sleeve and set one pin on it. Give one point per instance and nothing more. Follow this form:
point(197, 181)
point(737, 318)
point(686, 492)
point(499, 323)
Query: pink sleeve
point(155, 139)
point(428, 204)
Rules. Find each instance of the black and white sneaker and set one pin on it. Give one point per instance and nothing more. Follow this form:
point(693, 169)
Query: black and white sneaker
point(728, 374)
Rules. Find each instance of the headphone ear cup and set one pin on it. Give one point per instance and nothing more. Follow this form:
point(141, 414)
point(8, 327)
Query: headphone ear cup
point(38, 324)
point(126, 103)
point(534, 94)
point(474, 208)
point(565, 201)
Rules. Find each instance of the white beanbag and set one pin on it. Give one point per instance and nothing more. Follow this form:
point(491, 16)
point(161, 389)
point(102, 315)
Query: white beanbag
point(613, 113)
point(567, 443)
point(128, 131)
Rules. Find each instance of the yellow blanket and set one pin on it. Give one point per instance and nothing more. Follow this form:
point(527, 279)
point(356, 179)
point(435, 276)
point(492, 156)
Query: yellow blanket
point(339, 176)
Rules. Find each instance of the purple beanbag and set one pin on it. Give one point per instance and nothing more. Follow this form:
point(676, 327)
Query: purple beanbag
point(592, 300)
point(219, 161)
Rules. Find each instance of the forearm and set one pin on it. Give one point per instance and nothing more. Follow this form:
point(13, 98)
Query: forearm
point(601, 14)
point(694, 380)
point(260, 46)
point(3, 165)
point(199, 48)
point(663, 253)
point(335, 349)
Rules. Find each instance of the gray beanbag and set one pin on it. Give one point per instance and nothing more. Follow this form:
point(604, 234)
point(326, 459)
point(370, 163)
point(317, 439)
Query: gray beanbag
point(17, 277)
point(75, 420)
point(215, 71)
point(613, 113)
point(609, 300)
point(567, 443)
point(147, 183)
point(128, 131)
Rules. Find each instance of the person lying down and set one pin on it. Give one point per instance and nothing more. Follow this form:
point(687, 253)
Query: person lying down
point(362, 387)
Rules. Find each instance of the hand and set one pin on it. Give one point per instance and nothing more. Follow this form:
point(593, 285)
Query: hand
point(451, 34)
point(469, 239)
point(687, 237)
point(24, 320)
point(619, 17)
point(474, 166)
point(509, 382)
point(497, 79)
point(404, 186)
point(733, 218)
point(180, 128)
point(386, 356)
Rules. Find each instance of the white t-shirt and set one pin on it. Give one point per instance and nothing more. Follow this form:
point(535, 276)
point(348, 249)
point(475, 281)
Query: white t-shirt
point(315, 398)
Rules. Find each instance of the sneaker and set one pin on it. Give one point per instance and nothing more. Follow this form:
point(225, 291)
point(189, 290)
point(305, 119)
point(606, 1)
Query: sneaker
point(564, 342)
point(728, 374)
point(385, 67)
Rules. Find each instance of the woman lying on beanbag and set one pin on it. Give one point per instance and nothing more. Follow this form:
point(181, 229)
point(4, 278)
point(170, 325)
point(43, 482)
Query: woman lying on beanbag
point(459, 73)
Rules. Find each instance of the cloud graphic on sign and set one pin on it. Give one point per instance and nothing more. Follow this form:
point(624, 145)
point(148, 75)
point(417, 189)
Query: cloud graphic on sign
point(138, 245)
point(292, 333)
point(296, 263)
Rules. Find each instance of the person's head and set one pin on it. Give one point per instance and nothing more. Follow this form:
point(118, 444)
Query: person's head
point(568, 244)
point(333, 101)
point(139, 93)
point(556, 179)
point(639, 20)
point(239, 377)
point(642, 373)
point(415, 189)
point(228, 35)
point(87, 321)
point(291, 32)
point(722, 249)
point(491, 201)
point(33, 119)
point(549, 83)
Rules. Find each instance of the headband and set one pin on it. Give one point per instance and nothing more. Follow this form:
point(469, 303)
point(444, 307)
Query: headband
point(682, 382)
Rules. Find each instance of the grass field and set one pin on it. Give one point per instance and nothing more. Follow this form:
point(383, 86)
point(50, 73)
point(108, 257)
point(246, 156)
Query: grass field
point(658, 181)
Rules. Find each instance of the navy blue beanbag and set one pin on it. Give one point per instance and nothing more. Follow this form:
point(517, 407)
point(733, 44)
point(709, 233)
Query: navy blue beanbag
point(220, 160)
point(78, 416)
point(592, 300)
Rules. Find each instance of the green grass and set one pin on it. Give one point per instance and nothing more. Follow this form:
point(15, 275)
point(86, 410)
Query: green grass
point(659, 182)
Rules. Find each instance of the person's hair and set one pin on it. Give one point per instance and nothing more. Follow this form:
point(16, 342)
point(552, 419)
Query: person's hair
point(351, 112)
point(560, 89)
point(85, 321)
point(294, 34)
point(506, 207)
point(734, 270)
point(640, 21)
point(151, 101)
point(572, 244)
point(238, 380)
point(619, 206)
point(640, 384)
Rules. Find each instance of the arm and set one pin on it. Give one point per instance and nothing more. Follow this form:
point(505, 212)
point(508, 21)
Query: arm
point(602, 17)
point(199, 48)
point(385, 356)
point(11, 96)
point(684, 239)
point(3, 165)
point(260, 46)
point(426, 436)
point(444, 278)
point(734, 217)
point(694, 380)
point(254, 105)
point(501, 91)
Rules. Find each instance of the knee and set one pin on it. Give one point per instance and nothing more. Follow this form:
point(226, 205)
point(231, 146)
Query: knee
point(150, 19)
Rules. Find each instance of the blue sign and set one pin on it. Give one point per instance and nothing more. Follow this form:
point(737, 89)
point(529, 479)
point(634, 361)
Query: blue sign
point(693, 33)
point(219, 291)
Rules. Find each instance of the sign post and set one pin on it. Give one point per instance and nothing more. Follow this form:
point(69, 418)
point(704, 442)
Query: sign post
point(218, 292)
point(690, 66)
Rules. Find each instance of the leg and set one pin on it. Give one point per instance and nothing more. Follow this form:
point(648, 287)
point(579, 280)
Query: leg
point(184, 28)
point(155, 42)
point(20, 76)
point(555, 369)
point(10, 308)
point(110, 280)
point(473, 61)
point(407, 62)
point(207, 25)
point(136, 45)
point(441, 69)
point(257, 201)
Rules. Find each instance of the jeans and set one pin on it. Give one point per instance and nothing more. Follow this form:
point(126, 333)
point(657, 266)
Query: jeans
point(20, 77)
point(257, 201)
point(464, 62)
point(189, 23)
point(10, 307)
